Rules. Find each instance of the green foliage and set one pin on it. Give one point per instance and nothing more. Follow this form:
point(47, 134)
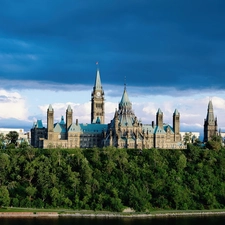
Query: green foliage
point(187, 138)
point(2, 140)
point(215, 143)
point(12, 137)
point(113, 179)
point(4, 196)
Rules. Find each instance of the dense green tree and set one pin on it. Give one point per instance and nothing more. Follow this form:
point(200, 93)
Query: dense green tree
point(2, 141)
point(187, 138)
point(12, 137)
point(4, 196)
point(113, 179)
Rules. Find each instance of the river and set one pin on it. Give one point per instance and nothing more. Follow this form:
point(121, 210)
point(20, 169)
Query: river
point(206, 220)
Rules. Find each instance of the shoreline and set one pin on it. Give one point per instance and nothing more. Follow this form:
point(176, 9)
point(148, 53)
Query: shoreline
point(108, 215)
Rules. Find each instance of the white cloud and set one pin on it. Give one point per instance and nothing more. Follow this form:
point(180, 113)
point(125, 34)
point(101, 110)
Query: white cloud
point(12, 105)
point(192, 108)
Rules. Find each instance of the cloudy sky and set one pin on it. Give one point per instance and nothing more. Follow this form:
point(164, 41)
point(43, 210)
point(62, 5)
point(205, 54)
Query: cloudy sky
point(171, 54)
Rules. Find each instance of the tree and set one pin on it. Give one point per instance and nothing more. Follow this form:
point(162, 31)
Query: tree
point(2, 140)
point(215, 143)
point(12, 137)
point(197, 142)
point(187, 138)
point(4, 196)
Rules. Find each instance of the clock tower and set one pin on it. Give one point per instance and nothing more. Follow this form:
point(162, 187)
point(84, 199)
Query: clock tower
point(97, 101)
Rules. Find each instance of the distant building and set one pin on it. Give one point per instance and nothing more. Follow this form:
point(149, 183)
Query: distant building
point(124, 130)
point(23, 136)
point(37, 131)
point(192, 135)
point(210, 124)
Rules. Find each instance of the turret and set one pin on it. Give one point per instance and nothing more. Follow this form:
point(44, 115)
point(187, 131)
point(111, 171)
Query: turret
point(176, 122)
point(159, 118)
point(69, 117)
point(210, 123)
point(50, 122)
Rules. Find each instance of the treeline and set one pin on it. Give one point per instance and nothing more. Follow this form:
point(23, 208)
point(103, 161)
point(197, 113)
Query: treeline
point(113, 179)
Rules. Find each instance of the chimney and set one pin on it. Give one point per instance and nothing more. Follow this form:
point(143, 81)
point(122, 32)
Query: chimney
point(153, 125)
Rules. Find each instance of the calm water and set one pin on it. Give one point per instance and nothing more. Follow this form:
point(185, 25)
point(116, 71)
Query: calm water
point(217, 220)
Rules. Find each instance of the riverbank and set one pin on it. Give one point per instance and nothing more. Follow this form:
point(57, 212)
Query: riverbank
point(56, 214)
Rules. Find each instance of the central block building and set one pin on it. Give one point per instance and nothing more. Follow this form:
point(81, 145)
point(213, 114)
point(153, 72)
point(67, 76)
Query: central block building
point(124, 130)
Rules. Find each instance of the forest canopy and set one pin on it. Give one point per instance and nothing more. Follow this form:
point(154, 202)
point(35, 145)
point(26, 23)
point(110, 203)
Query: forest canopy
point(113, 179)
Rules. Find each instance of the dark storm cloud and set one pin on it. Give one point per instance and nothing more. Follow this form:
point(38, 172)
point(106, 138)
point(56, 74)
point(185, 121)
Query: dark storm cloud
point(163, 43)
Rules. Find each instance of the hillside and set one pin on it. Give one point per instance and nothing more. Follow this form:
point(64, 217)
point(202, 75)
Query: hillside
point(113, 179)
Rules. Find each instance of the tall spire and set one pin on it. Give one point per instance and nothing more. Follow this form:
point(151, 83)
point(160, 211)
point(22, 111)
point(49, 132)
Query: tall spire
point(125, 99)
point(210, 123)
point(98, 85)
point(125, 102)
point(210, 115)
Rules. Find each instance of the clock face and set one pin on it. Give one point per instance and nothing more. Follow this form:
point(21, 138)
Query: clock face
point(98, 93)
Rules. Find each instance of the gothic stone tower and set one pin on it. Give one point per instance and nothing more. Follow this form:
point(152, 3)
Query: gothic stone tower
point(210, 123)
point(50, 122)
point(97, 101)
point(69, 118)
point(176, 125)
point(159, 118)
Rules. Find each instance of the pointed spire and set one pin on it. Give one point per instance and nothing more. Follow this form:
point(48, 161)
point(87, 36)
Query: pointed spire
point(116, 113)
point(159, 111)
point(62, 120)
point(98, 120)
point(125, 99)
point(210, 114)
point(50, 108)
point(176, 113)
point(98, 85)
point(69, 108)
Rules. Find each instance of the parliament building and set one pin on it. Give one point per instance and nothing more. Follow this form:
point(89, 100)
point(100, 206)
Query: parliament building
point(124, 130)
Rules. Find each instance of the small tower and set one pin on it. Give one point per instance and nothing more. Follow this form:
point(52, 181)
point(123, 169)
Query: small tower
point(69, 117)
point(159, 118)
point(210, 123)
point(50, 122)
point(97, 101)
point(176, 125)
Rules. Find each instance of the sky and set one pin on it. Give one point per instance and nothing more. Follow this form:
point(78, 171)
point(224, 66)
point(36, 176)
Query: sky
point(170, 54)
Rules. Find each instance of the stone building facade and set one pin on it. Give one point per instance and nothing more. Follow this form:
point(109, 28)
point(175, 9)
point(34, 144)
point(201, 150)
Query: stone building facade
point(124, 130)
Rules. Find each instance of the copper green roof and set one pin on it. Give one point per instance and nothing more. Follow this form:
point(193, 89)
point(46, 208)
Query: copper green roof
point(157, 129)
point(38, 124)
point(125, 100)
point(62, 120)
point(59, 128)
point(83, 128)
point(74, 128)
point(125, 113)
point(93, 128)
point(98, 85)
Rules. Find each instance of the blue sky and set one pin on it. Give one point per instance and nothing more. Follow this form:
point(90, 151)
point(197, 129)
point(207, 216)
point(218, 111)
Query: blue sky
point(172, 54)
